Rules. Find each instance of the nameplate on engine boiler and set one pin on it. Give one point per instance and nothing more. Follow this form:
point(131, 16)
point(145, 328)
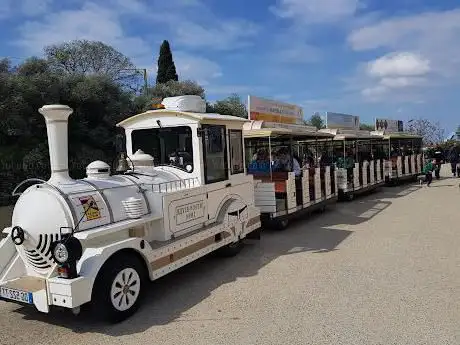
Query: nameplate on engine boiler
point(189, 212)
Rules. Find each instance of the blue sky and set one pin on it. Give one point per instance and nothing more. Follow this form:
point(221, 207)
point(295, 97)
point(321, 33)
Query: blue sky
point(392, 59)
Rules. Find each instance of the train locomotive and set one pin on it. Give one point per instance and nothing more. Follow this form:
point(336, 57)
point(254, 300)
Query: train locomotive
point(100, 239)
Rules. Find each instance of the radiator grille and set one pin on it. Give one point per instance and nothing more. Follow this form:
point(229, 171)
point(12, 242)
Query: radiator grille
point(41, 256)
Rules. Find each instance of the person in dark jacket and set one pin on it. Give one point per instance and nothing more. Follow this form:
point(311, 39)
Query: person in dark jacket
point(453, 157)
point(439, 159)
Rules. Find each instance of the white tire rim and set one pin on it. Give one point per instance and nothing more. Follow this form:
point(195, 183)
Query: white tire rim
point(125, 289)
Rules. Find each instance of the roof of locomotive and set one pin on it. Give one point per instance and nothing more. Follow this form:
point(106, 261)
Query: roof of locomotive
point(198, 117)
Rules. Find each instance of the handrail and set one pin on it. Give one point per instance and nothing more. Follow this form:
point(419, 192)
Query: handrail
point(154, 187)
point(14, 193)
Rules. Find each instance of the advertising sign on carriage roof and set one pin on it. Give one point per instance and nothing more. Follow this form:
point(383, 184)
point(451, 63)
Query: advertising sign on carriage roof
point(388, 125)
point(262, 109)
point(343, 121)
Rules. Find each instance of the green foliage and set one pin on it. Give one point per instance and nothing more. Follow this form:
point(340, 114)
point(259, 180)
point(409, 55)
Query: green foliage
point(173, 88)
point(231, 105)
point(88, 57)
point(166, 66)
point(366, 127)
point(316, 121)
point(98, 102)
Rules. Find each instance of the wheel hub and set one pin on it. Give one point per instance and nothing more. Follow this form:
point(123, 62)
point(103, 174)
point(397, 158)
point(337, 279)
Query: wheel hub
point(125, 289)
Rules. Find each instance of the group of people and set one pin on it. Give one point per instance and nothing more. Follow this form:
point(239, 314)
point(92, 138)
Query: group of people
point(281, 161)
point(434, 164)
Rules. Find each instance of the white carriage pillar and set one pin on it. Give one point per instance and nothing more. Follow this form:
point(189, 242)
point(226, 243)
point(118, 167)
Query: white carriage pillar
point(56, 117)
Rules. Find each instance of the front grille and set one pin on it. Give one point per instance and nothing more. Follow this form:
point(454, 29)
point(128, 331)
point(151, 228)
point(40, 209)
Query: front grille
point(41, 257)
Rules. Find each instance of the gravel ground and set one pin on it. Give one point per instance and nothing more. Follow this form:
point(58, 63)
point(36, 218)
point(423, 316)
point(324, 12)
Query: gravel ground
point(383, 269)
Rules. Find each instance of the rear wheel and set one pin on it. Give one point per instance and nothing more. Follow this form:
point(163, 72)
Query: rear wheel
point(281, 223)
point(119, 288)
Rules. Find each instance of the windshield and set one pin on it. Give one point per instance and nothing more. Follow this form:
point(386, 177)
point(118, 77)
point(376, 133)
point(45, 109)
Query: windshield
point(169, 146)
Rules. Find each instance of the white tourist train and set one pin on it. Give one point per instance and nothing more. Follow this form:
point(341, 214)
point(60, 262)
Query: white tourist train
point(188, 183)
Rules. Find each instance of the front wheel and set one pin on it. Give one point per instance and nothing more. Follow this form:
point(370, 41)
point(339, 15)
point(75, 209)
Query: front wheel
point(119, 289)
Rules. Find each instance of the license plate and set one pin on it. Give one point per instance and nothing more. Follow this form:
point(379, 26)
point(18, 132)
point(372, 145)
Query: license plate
point(16, 295)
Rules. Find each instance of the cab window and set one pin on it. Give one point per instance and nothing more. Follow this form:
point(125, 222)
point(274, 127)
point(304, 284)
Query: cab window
point(214, 153)
point(168, 146)
point(236, 151)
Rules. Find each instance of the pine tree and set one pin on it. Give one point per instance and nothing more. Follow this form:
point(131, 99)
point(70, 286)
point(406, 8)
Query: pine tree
point(166, 66)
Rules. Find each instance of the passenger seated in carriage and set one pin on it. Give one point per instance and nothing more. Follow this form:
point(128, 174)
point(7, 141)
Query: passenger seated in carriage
point(308, 160)
point(284, 162)
point(260, 162)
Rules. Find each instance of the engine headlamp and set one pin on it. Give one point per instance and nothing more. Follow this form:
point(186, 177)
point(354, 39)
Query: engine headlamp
point(61, 253)
point(68, 249)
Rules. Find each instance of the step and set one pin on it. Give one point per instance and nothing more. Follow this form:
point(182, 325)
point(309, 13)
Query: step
point(26, 284)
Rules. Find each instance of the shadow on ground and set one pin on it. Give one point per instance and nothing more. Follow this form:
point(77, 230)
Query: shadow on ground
point(170, 297)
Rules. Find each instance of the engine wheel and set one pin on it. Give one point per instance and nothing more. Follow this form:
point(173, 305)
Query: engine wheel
point(230, 249)
point(119, 289)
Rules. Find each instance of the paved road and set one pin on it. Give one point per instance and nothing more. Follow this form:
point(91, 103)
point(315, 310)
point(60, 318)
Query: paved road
point(384, 269)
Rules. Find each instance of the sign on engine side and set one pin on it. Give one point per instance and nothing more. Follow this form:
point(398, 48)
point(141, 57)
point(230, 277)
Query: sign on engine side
point(90, 207)
point(189, 212)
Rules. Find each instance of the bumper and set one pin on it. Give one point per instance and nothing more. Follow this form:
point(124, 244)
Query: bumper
point(43, 293)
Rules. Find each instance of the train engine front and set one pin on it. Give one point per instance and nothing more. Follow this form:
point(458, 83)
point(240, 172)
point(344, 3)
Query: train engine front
point(45, 253)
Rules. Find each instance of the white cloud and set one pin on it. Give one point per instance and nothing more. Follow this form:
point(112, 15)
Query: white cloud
point(315, 11)
point(227, 35)
point(194, 25)
point(423, 53)
point(200, 69)
point(91, 21)
point(399, 64)
point(434, 35)
point(94, 21)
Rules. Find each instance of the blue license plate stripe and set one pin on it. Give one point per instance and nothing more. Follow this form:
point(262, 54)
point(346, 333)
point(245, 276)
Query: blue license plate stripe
point(16, 295)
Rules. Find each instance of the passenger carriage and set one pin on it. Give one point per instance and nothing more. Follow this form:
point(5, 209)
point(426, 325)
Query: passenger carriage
point(359, 170)
point(402, 153)
point(281, 193)
point(180, 194)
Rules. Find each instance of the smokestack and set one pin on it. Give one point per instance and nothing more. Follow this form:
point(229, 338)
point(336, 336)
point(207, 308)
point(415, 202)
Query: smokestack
point(56, 117)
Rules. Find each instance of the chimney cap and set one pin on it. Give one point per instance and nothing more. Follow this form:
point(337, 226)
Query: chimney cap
point(56, 111)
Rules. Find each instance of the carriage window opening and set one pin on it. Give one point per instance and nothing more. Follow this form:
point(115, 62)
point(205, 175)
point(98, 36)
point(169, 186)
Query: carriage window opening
point(215, 153)
point(236, 151)
point(170, 146)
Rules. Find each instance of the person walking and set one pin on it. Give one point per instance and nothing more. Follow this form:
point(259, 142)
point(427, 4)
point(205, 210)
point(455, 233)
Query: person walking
point(428, 171)
point(454, 159)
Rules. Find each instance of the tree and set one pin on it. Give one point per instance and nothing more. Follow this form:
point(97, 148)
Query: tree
point(366, 127)
point(231, 105)
point(166, 66)
point(98, 102)
point(171, 88)
point(90, 57)
point(432, 133)
point(316, 121)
